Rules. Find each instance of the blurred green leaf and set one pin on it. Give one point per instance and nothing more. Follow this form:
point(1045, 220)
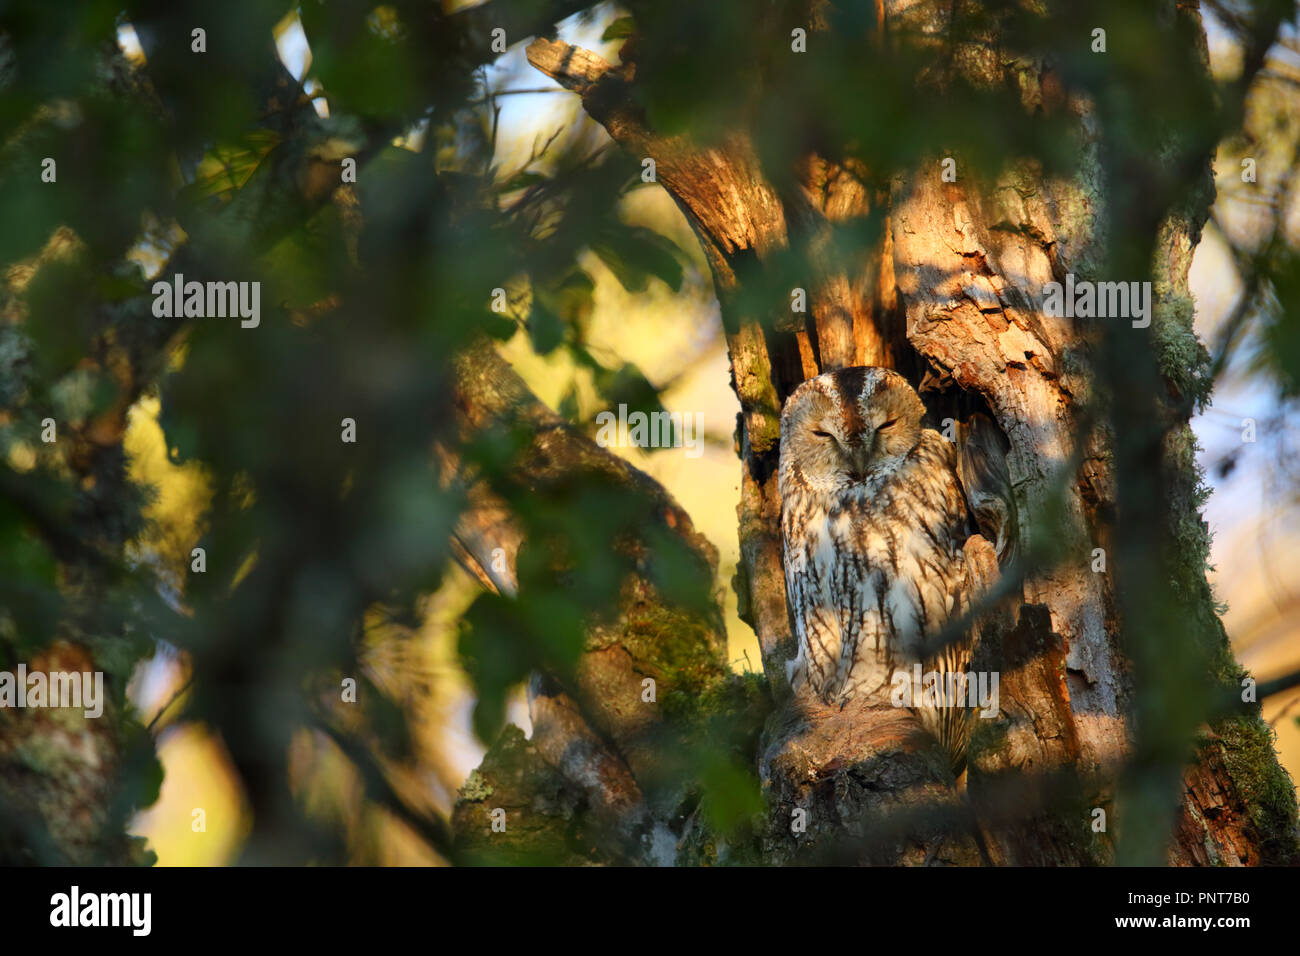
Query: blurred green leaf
point(620, 29)
point(545, 329)
point(636, 254)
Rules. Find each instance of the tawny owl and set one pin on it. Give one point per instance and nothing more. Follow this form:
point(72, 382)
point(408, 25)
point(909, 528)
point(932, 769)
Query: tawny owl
point(874, 522)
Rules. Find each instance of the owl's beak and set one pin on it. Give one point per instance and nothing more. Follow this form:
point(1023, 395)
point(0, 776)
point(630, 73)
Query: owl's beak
point(860, 455)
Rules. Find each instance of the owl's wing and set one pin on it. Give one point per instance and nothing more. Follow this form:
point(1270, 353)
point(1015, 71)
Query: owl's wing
point(813, 618)
point(980, 563)
point(986, 480)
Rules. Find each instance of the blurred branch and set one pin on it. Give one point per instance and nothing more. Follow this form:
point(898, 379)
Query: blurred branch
point(572, 67)
point(518, 18)
point(1281, 714)
point(1247, 264)
point(432, 830)
point(487, 98)
point(1279, 684)
point(176, 695)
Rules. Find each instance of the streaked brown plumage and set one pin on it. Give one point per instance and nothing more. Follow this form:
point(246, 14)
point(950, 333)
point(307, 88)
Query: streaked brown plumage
point(874, 520)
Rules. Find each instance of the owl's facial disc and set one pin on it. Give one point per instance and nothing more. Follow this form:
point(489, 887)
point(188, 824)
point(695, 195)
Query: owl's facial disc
point(859, 456)
point(843, 426)
point(894, 432)
point(868, 447)
point(850, 454)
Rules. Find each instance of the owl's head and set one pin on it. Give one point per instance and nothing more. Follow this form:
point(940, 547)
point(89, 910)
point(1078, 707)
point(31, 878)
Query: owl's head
point(840, 425)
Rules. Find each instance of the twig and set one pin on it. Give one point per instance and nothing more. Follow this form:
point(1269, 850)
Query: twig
point(433, 830)
point(174, 697)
